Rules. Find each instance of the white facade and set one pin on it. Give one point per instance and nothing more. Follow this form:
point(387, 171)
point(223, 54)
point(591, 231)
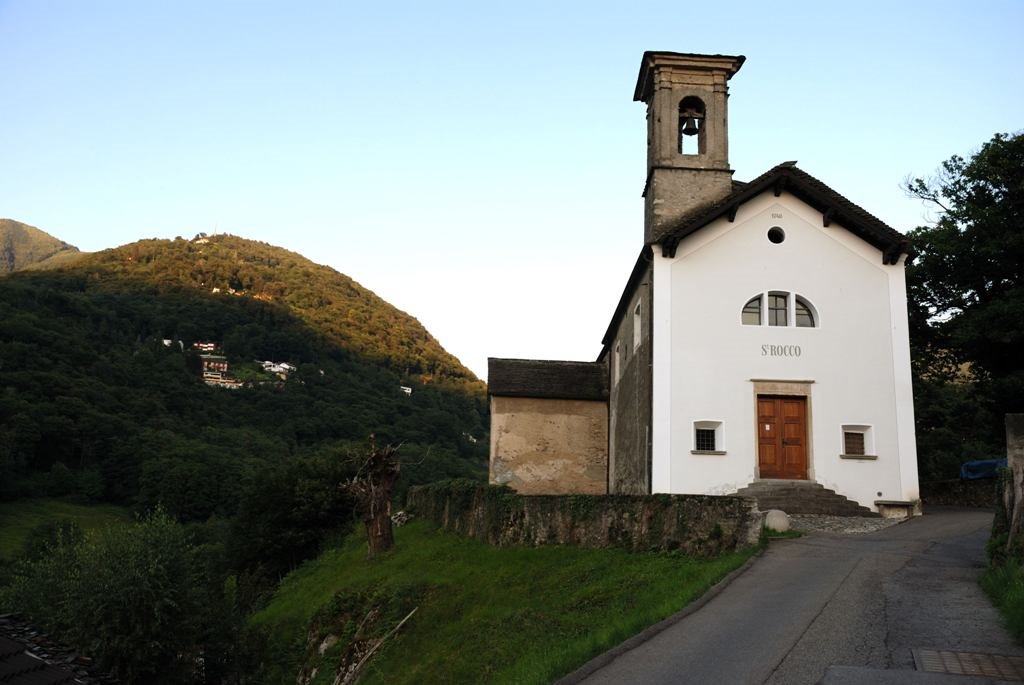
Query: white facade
point(853, 365)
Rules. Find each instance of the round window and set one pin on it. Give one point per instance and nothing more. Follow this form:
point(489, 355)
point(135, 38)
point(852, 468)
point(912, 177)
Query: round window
point(776, 235)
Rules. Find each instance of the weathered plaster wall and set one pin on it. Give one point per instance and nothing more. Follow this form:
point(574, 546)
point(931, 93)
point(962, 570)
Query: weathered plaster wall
point(695, 524)
point(549, 446)
point(630, 398)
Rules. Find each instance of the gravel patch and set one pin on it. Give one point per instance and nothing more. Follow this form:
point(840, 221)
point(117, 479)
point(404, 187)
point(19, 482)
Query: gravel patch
point(843, 525)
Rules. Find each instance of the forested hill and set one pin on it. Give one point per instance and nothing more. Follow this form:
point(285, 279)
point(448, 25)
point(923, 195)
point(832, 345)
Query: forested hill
point(22, 246)
point(331, 303)
point(101, 394)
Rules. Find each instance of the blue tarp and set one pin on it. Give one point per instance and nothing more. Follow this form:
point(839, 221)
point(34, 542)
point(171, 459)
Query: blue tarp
point(981, 468)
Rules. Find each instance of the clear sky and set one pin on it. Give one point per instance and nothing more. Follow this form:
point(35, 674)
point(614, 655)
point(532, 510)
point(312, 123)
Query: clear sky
point(479, 165)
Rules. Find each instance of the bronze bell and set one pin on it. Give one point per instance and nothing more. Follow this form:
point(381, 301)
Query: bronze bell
point(689, 127)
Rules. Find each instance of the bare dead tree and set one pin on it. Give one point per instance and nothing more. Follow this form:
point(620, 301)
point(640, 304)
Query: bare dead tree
point(372, 489)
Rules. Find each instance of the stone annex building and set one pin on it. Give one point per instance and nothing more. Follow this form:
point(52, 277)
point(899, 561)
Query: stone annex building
point(760, 344)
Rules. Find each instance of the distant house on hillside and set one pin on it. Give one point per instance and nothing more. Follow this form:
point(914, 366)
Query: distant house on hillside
point(280, 369)
point(760, 343)
point(205, 346)
point(225, 382)
point(215, 372)
point(214, 366)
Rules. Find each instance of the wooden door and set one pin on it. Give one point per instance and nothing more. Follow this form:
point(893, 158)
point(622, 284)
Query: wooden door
point(782, 437)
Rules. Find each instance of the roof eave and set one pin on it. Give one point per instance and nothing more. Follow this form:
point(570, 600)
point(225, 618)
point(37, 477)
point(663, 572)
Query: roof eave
point(642, 261)
point(729, 64)
point(787, 177)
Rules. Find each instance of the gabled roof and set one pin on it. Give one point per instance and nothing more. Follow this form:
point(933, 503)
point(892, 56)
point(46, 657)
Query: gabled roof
point(789, 178)
point(784, 177)
point(547, 379)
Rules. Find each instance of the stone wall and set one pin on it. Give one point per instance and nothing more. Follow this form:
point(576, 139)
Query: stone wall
point(960, 493)
point(700, 525)
point(630, 398)
point(549, 446)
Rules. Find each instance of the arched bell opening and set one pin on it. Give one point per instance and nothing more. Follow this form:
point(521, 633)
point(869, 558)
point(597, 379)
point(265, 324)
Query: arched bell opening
point(691, 125)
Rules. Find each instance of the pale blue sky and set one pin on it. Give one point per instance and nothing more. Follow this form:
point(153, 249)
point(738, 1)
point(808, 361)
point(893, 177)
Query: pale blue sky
point(478, 165)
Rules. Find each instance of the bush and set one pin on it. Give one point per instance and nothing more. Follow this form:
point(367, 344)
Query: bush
point(45, 536)
point(1005, 587)
point(134, 597)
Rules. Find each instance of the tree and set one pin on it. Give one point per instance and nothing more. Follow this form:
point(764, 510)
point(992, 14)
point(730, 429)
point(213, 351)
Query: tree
point(285, 514)
point(372, 488)
point(966, 287)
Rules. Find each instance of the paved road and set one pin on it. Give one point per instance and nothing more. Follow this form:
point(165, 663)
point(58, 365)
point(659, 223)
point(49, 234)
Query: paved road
point(808, 603)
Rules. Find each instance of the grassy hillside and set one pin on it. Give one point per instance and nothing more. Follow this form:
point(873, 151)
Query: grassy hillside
point(530, 615)
point(22, 246)
point(19, 518)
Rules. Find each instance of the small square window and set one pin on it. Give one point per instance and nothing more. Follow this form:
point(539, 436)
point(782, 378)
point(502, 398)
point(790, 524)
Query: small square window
point(853, 443)
point(706, 439)
point(858, 442)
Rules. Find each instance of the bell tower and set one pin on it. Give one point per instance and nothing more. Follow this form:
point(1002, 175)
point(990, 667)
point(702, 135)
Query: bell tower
point(687, 134)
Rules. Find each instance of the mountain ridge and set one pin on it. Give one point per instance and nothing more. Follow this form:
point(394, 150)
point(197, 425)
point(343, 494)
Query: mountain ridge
point(229, 265)
point(23, 246)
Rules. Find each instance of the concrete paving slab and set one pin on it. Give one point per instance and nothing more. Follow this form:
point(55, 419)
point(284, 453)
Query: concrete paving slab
point(852, 675)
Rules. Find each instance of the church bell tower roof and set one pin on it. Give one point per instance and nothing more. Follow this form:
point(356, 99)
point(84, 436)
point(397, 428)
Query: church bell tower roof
point(681, 61)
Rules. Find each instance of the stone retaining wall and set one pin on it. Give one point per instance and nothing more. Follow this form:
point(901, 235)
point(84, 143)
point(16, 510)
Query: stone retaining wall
point(700, 525)
point(961, 493)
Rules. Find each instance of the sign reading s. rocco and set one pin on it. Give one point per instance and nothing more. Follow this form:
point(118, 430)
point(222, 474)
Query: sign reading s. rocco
point(780, 350)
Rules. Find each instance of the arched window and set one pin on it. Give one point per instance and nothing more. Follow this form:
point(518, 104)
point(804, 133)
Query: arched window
point(777, 308)
point(803, 312)
point(691, 125)
point(752, 312)
point(773, 308)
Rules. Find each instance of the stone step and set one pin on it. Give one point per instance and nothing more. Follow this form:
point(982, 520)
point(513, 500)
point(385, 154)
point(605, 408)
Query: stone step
point(802, 497)
point(833, 509)
point(791, 494)
point(783, 502)
point(802, 492)
point(780, 503)
point(807, 485)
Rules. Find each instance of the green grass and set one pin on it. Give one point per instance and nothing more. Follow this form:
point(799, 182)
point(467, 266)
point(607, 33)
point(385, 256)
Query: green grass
point(18, 518)
point(485, 614)
point(1005, 587)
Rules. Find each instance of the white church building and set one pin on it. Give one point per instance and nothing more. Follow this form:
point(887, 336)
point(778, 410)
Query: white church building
point(760, 344)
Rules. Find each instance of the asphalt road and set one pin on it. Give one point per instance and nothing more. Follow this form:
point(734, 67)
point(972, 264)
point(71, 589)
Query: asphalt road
point(821, 600)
